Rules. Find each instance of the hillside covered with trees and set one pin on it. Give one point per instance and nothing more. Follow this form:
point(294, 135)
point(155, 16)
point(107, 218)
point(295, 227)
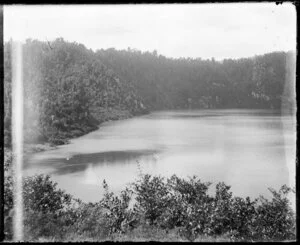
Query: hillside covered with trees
point(69, 90)
point(166, 83)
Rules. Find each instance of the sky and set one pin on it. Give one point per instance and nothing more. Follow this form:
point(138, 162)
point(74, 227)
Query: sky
point(227, 30)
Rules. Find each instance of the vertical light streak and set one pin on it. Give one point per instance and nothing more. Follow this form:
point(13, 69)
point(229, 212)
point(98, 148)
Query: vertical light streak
point(17, 138)
point(289, 110)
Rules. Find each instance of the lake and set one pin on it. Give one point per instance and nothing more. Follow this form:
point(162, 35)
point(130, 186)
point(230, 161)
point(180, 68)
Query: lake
point(250, 150)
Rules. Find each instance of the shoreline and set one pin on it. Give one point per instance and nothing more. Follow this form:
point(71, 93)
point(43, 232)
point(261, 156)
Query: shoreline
point(30, 148)
point(108, 116)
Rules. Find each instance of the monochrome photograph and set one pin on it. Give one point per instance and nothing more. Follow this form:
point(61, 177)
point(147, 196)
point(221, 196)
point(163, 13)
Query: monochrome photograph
point(150, 122)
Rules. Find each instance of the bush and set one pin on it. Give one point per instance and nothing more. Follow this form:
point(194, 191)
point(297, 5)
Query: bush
point(242, 216)
point(151, 197)
point(39, 224)
point(185, 204)
point(8, 193)
point(173, 205)
point(117, 214)
point(41, 194)
point(275, 219)
point(191, 206)
point(43, 202)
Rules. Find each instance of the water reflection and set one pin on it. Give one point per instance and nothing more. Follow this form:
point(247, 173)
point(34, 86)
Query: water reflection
point(80, 162)
point(248, 149)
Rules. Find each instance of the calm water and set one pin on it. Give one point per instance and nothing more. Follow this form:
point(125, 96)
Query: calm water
point(249, 149)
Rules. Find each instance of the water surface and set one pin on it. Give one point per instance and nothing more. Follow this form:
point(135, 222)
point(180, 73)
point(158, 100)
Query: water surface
point(250, 150)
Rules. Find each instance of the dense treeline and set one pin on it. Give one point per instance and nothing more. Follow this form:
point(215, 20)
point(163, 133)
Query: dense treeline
point(257, 82)
point(67, 91)
point(151, 208)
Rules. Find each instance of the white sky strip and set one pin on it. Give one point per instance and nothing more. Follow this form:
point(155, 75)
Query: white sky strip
point(227, 30)
point(17, 139)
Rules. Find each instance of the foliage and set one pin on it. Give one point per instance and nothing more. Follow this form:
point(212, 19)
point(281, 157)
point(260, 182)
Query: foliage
point(192, 205)
point(65, 88)
point(170, 206)
point(41, 194)
point(185, 204)
point(116, 210)
point(275, 219)
point(8, 192)
point(7, 98)
point(69, 89)
point(151, 197)
point(166, 83)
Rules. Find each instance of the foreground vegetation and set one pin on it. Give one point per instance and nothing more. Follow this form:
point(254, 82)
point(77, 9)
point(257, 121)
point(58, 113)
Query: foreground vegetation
point(151, 208)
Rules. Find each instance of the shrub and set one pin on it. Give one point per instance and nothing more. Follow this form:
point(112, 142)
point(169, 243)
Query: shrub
point(243, 214)
point(185, 204)
point(174, 204)
point(117, 214)
point(8, 194)
point(85, 220)
point(39, 224)
point(275, 219)
point(41, 194)
point(151, 195)
point(43, 202)
point(190, 208)
point(221, 221)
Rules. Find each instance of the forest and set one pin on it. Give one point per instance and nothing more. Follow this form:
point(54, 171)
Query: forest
point(67, 92)
point(167, 83)
point(70, 89)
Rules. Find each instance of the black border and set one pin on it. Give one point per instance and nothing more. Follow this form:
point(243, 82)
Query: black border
point(27, 2)
point(1, 129)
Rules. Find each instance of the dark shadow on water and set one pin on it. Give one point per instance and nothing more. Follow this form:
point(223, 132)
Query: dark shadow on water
point(195, 116)
point(80, 162)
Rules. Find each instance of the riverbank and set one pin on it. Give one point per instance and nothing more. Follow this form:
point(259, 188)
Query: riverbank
point(100, 116)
